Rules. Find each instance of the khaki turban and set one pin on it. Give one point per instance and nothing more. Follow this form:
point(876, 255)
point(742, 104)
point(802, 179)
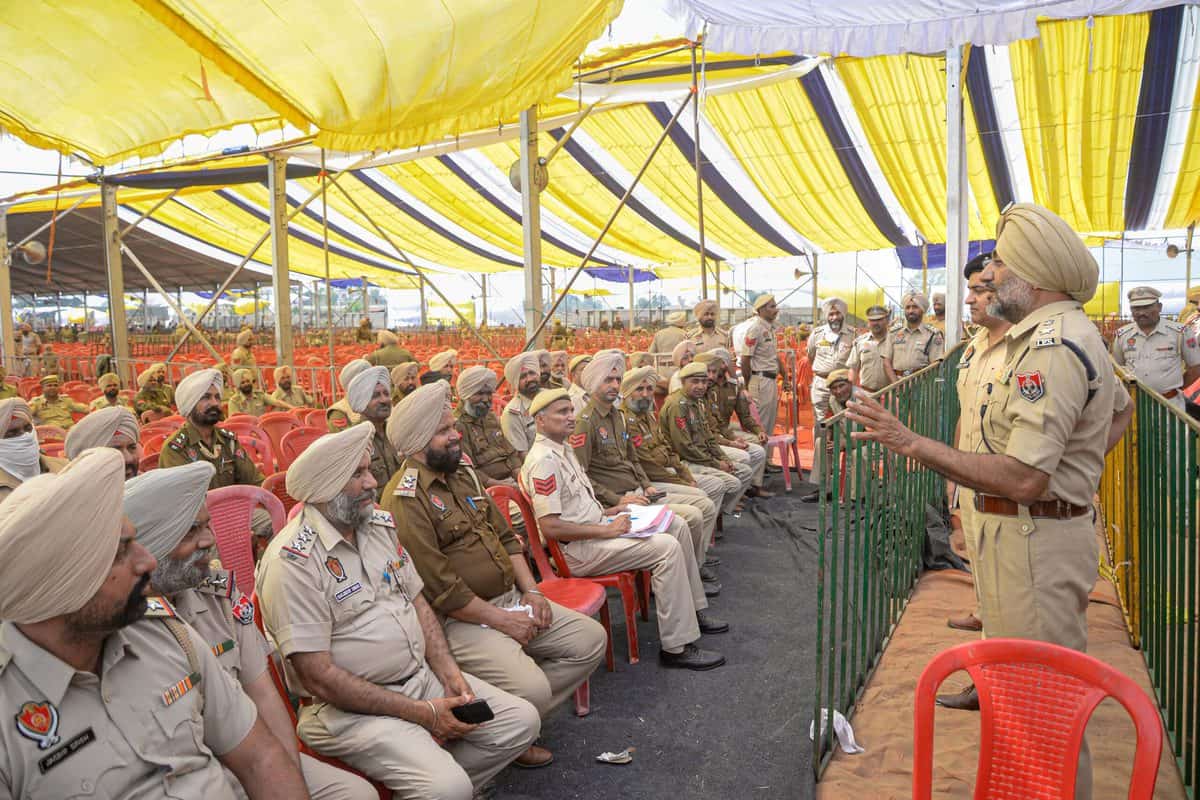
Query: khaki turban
point(837, 375)
point(14, 407)
point(243, 338)
point(693, 369)
point(162, 525)
point(476, 379)
point(243, 375)
point(417, 417)
point(707, 357)
point(58, 537)
point(602, 366)
point(576, 361)
point(832, 303)
point(676, 318)
point(680, 350)
point(386, 338)
point(762, 300)
point(724, 355)
point(554, 354)
point(519, 363)
point(915, 297)
point(541, 354)
point(144, 377)
point(545, 398)
point(704, 305)
point(192, 388)
point(350, 370)
point(634, 378)
point(281, 371)
point(97, 429)
point(938, 296)
point(405, 370)
point(442, 359)
point(1042, 249)
point(108, 379)
point(358, 393)
point(640, 359)
point(326, 466)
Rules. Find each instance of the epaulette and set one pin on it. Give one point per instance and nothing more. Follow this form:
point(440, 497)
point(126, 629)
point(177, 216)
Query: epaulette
point(158, 608)
point(228, 434)
point(1121, 331)
point(1048, 333)
point(1173, 325)
point(381, 517)
point(217, 582)
point(301, 544)
point(407, 487)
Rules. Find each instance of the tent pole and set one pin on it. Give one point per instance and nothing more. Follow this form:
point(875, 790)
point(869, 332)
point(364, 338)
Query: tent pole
point(1188, 246)
point(147, 213)
point(956, 196)
point(118, 328)
point(85, 300)
point(531, 226)
point(6, 307)
point(629, 272)
point(815, 301)
point(58, 309)
point(325, 255)
point(925, 268)
point(424, 308)
point(483, 292)
point(146, 310)
point(55, 218)
point(124, 249)
point(277, 189)
point(366, 297)
point(699, 180)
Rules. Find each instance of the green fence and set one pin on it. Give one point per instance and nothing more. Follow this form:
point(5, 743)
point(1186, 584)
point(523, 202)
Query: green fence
point(871, 535)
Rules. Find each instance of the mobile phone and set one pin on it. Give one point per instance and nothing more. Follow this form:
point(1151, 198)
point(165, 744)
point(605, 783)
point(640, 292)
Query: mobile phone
point(474, 712)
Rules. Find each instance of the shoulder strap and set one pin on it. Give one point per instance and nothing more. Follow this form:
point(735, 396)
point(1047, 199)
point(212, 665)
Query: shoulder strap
point(179, 631)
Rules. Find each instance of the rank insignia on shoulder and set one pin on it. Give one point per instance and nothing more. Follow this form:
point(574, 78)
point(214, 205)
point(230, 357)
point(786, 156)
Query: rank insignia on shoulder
point(408, 484)
point(302, 542)
point(217, 582)
point(172, 693)
point(243, 610)
point(159, 607)
point(381, 517)
point(577, 440)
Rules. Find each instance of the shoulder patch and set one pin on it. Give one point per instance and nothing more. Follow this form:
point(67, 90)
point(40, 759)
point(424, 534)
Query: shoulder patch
point(545, 486)
point(158, 608)
point(301, 543)
point(465, 460)
point(407, 487)
point(577, 440)
point(381, 517)
point(217, 582)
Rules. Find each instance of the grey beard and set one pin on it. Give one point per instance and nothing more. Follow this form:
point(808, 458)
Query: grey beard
point(1011, 300)
point(172, 576)
point(639, 406)
point(348, 511)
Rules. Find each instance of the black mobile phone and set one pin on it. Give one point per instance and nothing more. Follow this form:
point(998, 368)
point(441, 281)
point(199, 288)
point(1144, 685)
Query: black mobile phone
point(474, 712)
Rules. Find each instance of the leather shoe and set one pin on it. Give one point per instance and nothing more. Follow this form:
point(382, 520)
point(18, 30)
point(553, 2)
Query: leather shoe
point(966, 700)
point(708, 574)
point(772, 469)
point(711, 588)
point(711, 624)
point(758, 491)
point(815, 497)
point(711, 561)
point(970, 622)
point(692, 657)
point(534, 758)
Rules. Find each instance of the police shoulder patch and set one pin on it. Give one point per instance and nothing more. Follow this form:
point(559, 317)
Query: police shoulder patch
point(381, 517)
point(301, 543)
point(158, 607)
point(407, 487)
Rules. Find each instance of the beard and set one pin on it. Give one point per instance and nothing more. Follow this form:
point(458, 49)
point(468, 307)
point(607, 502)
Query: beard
point(246, 390)
point(544, 376)
point(444, 461)
point(172, 575)
point(530, 389)
point(1011, 300)
point(639, 406)
point(351, 511)
point(112, 395)
point(708, 324)
point(205, 418)
point(286, 385)
point(478, 410)
point(91, 620)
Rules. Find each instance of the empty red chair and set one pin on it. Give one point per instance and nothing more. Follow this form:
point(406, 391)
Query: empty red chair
point(230, 509)
point(1035, 700)
point(316, 419)
point(296, 442)
point(153, 442)
point(276, 484)
point(50, 433)
point(149, 461)
point(276, 424)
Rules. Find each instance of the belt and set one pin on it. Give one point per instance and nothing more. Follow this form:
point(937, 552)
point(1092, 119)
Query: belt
point(1170, 393)
point(308, 701)
point(771, 375)
point(1042, 509)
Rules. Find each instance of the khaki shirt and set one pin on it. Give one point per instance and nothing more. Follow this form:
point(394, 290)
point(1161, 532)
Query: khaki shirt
point(224, 617)
point(665, 340)
point(233, 466)
point(518, 426)
point(866, 357)
point(102, 402)
point(385, 461)
point(242, 358)
point(761, 348)
point(726, 399)
point(706, 339)
point(654, 454)
point(297, 397)
point(339, 416)
point(152, 398)
point(320, 593)
point(389, 356)
point(605, 452)
point(828, 350)
point(485, 442)
point(7, 390)
point(55, 412)
point(145, 726)
point(978, 372)
point(1040, 412)
point(579, 398)
point(682, 422)
point(911, 350)
point(459, 542)
point(255, 405)
point(1159, 359)
point(31, 344)
point(9, 482)
point(557, 484)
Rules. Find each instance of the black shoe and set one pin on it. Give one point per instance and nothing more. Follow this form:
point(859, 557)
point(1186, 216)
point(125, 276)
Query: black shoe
point(711, 588)
point(771, 469)
point(815, 497)
point(966, 700)
point(708, 574)
point(711, 624)
point(692, 657)
point(711, 561)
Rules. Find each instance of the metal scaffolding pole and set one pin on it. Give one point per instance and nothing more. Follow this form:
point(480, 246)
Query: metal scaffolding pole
point(1188, 248)
point(699, 179)
point(629, 273)
point(531, 227)
point(6, 311)
point(483, 294)
point(124, 249)
point(956, 196)
point(280, 288)
point(118, 327)
point(421, 298)
point(815, 301)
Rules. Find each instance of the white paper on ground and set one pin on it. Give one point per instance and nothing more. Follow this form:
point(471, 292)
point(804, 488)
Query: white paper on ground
point(841, 729)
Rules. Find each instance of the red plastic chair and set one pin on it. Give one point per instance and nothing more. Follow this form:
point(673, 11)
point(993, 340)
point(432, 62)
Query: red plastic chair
point(578, 594)
point(1035, 700)
point(276, 485)
point(153, 442)
point(296, 442)
point(54, 449)
point(149, 461)
point(316, 419)
point(50, 433)
point(276, 424)
point(231, 509)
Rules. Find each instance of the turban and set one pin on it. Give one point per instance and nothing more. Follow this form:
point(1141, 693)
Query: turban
point(693, 369)
point(1193, 294)
point(634, 378)
point(640, 358)
point(442, 359)
point(350, 370)
point(58, 537)
point(545, 398)
point(144, 377)
point(243, 338)
point(837, 375)
point(519, 363)
point(14, 407)
point(192, 388)
point(1042, 249)
point(162, 525)
point(243, 375)
point(832, 303)
point(707, 357)
point(386, 338)
point(48, 379)
point(404, 370)
point(938, 296)
point(602, 366)
point(681, 349)
point(704, 305)
point(915, 297)
point(358, 393)
point(676, 318)
point(540, 354)
point(557, 353)
point(326, 466)
point(416, 418)
point(108, 379)
point(762, 300)
point(476, 379)
point(582, 358)
point(281, 371)
point(724, 355)
point(97, 429)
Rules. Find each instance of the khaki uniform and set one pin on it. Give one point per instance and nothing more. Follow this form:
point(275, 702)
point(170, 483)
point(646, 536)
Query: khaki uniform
point(233, 465)
point(152, 398)
point(579, 398)
point(255, 405)
point(339, 416)
point(55, 412)
point(848, 483)
point(664, 341)
point(49, 364)
point(1157, 359)
point(605, 450)
point(385, 461)
point(488, 447)
point(389, 356)
point(910, 350)
point(462, 548)
point(102, 402)
point(722, 401)
point(827, 351)
point(760, 347)
point(364, 335)
point(710, 339)
point(867, 358)
point(296, 398)
point(7, 390)
point(682, 423)
point(518, 426)
point(242, 358)
point(8, 481)
point(29, 345)
point(558, 485)
point(320, 593)
point(115, 734)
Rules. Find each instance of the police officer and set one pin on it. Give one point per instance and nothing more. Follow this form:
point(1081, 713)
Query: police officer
point(404, 380)
point(110, 384)
point(484, 444)
point(340, 416)
point(52, 408)
point(525, 381)
point(558, 369)
point(20, 458)
point(363, 649)
point(828, 349)
point(938, 320)
point(446, 363)
point(761, 363)
point(242, 356)
point(593, 538)
point(574, 370)
point(914, 346)
point(113, 427)
point(153, 399)
point(707, 335)
point(290, 392)
point(1157, 350)
point(102, 701)
point(249, 399)
point(7, 389)
point(29, 345)
point(865, 361)
point(718, 410)
point(498, 624)
point(389, 353)
point(683, 354)
point(362, 334)
point(673, 333)
point(370, 396)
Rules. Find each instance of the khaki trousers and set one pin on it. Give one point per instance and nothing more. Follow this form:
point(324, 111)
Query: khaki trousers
point(405, 758)
point(765, 392)
point(324, 782)
point(820, 397)
point(693, 497)
point(731, 482)
point(754, 456)
point(547, 670)
point(674, 576)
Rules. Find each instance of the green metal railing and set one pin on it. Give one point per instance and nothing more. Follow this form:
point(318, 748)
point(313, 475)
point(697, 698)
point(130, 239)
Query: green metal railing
point(871, 535)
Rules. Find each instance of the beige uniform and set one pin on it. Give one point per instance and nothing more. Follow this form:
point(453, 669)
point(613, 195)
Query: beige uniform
point(827, 350)
point(150, 724)
point(664, 341)
point(102, 402)
point(340, 416)
point(296, 398)
point(243, 358)
point(55, 412)
point(683, 424)
point(723, 400)
point(518, 426)
point(764, 368)
point(30, 346)
point(462, 548)
point(558, 485)
point(579, 398)
point(707, 339)
point(255, 405)
point(1157, 359)
point(913, 349)
point(867, 358)
point(320, 593)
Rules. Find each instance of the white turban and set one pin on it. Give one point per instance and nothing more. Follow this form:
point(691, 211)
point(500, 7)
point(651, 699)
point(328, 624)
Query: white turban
point(516, 365)
point(20, 456)
point(58, 536)
point(915, 297)
point(352, 369)
point(677, 318)
point(442, 359)
point(97, 429)
point(600, 368)
point(475, 379)
point(326, 466)
point(192, 388)
point(724, 355)
point(417, 417)
point(162, 504)
point(358, 393)
point(832, 303)
point(14, 407)
point(403, 370)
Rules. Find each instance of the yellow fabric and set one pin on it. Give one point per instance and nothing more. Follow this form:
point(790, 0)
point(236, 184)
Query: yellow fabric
point(1077, 94)
point(1106, 302)
point(1185, 205)
point(857, 300)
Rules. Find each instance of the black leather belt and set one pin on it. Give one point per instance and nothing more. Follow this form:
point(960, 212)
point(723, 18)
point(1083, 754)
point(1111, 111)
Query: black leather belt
point(1043, 509)
point(771, 375)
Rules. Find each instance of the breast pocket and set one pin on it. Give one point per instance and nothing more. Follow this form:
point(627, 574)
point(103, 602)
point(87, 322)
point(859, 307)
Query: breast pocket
point(90, 771)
